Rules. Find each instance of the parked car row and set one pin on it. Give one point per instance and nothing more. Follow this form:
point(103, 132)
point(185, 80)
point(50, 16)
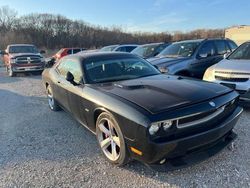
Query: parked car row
point(192, 57)
point(136, 110)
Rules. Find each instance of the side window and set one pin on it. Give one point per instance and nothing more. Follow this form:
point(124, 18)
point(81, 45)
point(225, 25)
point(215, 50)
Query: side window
point(76, 51)
point(75, 69)
point(62, 68)
point(232, 45)
point(69, 51)
point(130, 48)
point(207, 50)
point(121, 49)
point(221, 47)
point(70, 66)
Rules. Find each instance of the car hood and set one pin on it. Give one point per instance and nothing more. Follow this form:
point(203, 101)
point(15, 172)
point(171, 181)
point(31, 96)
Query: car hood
point(162, 92)
point(233, 66)
point(15, 55)
point(166, 60)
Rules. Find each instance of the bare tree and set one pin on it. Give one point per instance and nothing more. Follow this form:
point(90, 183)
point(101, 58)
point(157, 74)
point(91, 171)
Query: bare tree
point(56, 31)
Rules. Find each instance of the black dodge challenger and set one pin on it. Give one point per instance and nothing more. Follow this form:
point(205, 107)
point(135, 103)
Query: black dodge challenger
point(138, 113)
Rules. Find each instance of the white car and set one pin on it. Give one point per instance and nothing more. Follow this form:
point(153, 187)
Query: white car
point(233, 71)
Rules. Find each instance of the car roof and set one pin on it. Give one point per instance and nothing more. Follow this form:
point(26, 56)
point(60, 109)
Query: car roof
point(124, 45)
point(151, 44)
point(113, 45)
point(186, 41)
point(72, 48)
point(201, 40)
point(21, 45)
point(96, 55)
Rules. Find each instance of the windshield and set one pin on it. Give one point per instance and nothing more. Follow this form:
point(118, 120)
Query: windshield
point(180, 49)
point(147, 51)
point(243, 52)
point(116, 69)
point(108, 48)
point(23, 49)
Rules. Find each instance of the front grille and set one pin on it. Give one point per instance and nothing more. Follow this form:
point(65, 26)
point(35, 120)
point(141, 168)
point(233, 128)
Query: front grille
point(241, 92)
point(230, 79)
point(232, 73)
point(199, 118)
point(28, 60)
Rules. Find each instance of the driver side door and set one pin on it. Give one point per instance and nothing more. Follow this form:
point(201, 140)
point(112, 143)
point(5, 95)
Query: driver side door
point(206, 57)
point(75, 91)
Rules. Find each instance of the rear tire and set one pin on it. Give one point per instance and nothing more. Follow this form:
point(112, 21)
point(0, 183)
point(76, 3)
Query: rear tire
point(111, 139)
point(53, 105)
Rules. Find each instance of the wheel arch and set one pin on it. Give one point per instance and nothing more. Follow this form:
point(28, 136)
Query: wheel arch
point(97, 113)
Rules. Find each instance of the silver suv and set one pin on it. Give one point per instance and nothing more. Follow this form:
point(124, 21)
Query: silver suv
point(233, 71)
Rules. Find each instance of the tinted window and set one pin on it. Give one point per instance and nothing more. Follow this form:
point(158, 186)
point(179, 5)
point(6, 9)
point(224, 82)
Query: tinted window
point(70, 66)
point(76, 51)
point(243, 52)
point(207, 49)
point(232, 45)
point(117, 68)
point(130, 48)
point(221, 46)
point(121, 49)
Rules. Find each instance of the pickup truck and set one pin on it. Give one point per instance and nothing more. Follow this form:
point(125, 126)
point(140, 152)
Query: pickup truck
point(23, 58)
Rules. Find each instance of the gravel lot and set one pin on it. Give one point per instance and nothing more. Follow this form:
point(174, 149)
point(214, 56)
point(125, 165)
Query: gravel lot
point(40, 148)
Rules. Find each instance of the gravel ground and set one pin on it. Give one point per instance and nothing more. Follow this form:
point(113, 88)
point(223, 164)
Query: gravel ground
point(40, 148)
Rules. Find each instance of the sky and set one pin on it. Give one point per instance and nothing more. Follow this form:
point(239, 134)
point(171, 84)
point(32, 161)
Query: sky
point(143, 15)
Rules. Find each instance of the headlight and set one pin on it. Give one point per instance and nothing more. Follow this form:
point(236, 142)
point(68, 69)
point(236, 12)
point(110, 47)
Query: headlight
point(154, 128)
point(163, 69)
point(209, 74)
point(12, 61)
point(42, 59)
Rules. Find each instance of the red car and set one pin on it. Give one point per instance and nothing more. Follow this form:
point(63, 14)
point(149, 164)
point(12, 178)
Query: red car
point(66, 51)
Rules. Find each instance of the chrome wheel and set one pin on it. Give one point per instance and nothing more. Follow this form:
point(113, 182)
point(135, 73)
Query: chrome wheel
point(109, 140)
point(50, 98)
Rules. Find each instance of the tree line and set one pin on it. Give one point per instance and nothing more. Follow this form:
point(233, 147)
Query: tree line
point(56, 31)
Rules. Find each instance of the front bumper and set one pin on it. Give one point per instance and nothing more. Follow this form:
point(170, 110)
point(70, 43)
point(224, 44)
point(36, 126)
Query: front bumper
point(27, 69)
point(181, 149)
point(243, 88)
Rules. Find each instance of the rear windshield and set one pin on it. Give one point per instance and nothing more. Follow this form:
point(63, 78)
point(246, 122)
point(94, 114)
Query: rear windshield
point(23, 49)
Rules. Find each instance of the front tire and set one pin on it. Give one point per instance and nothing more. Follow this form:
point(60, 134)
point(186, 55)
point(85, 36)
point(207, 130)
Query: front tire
point(53, 105)
point(111, 139)
point(10, 72)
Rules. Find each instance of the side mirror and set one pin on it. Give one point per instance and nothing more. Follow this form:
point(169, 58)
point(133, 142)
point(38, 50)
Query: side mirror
point(42, 52)
point(203, 55)
point(70, 77)
point(2, 52)
point(226, 55)
point(49, 63)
